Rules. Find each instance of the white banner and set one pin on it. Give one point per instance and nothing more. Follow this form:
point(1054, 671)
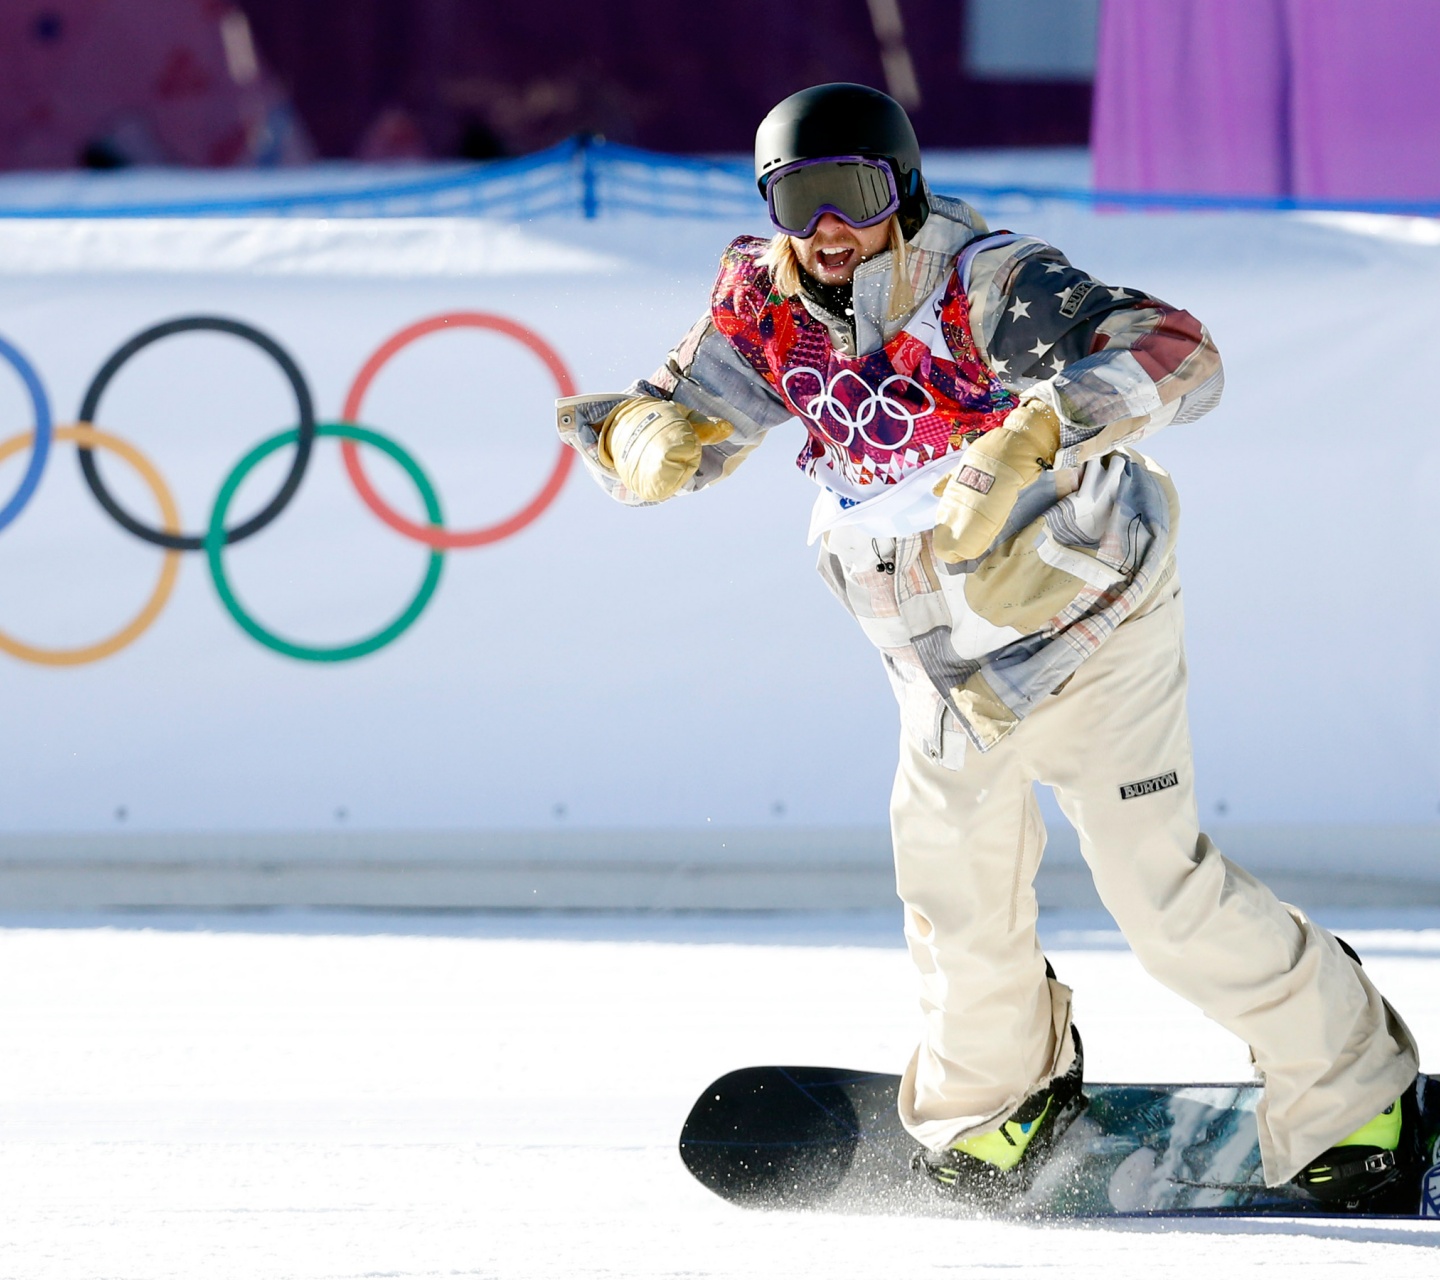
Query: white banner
point(586, 665)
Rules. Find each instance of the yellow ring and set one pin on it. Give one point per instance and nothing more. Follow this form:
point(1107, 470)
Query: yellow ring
point(169, 570)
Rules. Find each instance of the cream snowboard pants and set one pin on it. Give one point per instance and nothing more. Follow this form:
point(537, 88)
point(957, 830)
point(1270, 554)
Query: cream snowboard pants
point(1331, 1051)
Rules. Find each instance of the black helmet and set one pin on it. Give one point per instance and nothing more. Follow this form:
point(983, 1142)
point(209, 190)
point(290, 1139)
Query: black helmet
point(845, 120)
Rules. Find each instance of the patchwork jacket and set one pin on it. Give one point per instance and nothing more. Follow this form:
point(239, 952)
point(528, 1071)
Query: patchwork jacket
point(970, 648)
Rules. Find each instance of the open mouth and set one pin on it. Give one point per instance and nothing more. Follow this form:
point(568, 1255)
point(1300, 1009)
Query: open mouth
point(834, 259)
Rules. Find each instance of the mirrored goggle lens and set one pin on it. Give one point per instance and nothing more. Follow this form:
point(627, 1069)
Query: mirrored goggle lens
point(859, 191)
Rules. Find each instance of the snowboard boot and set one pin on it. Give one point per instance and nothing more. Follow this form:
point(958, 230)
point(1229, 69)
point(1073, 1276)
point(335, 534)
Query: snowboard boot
point(992, 1167)
point(1375, 1166)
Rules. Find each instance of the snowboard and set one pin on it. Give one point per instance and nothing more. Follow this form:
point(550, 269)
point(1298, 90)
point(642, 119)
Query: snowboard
point(829, 1139)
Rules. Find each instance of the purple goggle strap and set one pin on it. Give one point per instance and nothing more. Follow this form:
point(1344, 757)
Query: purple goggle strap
point(809, 229)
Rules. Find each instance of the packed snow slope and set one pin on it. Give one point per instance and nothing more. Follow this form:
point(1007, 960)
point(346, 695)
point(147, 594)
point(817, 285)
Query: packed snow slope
point(326, 1097)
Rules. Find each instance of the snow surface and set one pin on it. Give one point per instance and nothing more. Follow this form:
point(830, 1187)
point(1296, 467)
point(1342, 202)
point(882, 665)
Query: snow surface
point(325, 1095)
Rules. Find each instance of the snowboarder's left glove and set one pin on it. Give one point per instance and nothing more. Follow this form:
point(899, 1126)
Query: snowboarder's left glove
point(654, 445)
point(977, 497)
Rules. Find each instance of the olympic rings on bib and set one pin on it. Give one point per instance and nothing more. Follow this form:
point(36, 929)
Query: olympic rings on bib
point(216, 537)
point(431, 535)
point(305, 435)
point(40, 437)
point(829, 407)
point(89, 438)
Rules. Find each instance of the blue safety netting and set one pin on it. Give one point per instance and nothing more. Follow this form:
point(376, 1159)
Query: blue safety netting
point(582, 177)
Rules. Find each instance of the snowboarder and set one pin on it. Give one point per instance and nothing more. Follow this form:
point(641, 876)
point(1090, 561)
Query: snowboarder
point(971, 402)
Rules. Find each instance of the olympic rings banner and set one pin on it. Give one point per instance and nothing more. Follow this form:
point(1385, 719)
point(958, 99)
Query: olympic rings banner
point(305, 551)
point(298, 441)
point(288, 541)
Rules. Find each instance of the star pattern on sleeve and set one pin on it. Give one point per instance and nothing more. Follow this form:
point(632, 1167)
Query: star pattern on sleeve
point(1049, 315)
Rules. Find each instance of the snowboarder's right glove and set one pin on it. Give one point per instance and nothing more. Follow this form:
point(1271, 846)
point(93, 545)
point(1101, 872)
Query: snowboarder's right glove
point(977, 497)
point(654, 445)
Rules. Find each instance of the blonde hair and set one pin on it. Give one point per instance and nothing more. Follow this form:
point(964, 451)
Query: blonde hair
point(784, 267)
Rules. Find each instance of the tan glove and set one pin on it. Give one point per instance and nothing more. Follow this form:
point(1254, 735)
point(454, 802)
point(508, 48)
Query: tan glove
point(976, 499)
point(654, 445)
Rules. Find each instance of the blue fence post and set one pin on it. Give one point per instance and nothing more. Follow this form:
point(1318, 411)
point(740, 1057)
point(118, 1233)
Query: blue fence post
point(589, 193)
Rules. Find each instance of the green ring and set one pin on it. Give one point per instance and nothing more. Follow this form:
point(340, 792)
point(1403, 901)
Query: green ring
point(215, 546)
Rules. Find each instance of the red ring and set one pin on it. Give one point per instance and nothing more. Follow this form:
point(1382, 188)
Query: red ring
point(430, 534)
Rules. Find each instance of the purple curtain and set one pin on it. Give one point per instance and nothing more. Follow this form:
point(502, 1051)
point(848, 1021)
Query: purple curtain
point(1328, 99)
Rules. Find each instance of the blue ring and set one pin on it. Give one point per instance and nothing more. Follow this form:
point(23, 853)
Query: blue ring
point(40, 448)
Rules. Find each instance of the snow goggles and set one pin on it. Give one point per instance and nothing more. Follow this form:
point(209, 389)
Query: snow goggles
point(858, 191)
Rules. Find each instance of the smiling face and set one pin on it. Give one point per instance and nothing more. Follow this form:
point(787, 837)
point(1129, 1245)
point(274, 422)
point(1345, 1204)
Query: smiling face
point(836, 249)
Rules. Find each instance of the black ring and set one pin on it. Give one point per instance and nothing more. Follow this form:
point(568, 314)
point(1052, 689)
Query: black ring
point(305, 435)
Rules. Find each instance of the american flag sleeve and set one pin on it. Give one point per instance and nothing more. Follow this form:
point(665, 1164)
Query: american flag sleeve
point(1114, 363)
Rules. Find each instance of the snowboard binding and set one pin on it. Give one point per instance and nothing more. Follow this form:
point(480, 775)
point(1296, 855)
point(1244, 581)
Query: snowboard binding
point(1370, 1177)
point(999, 1166)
